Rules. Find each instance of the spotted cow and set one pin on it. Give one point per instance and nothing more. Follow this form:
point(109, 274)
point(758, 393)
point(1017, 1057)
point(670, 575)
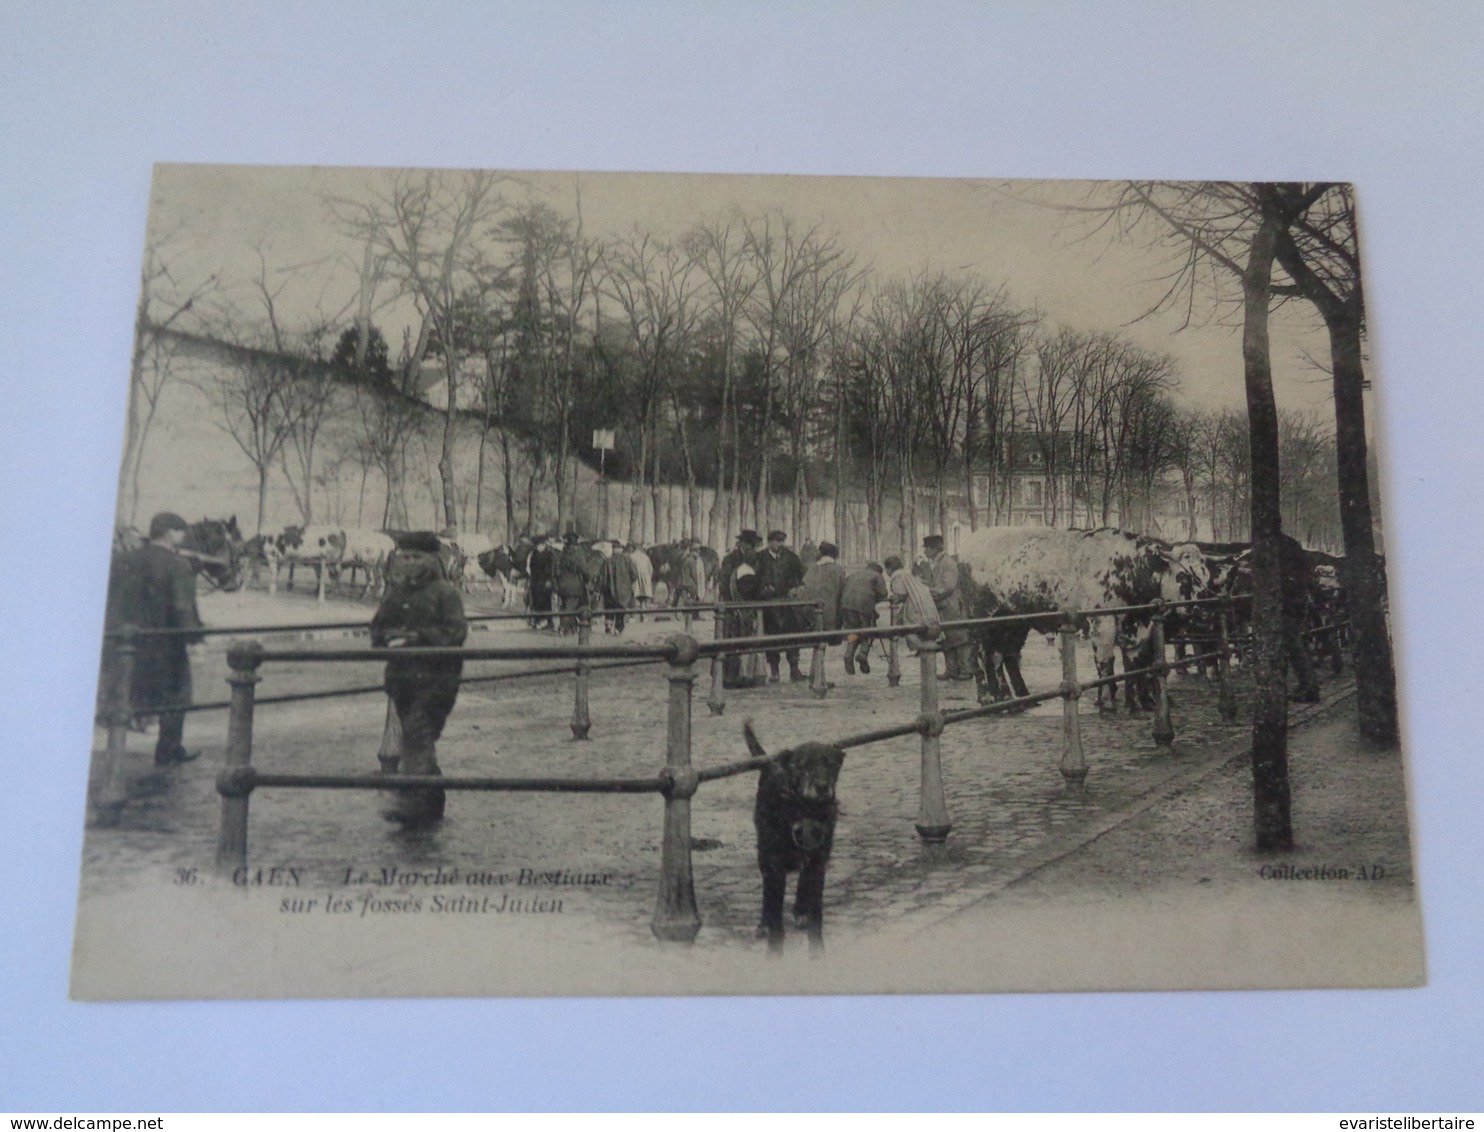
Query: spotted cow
point(1043, 570)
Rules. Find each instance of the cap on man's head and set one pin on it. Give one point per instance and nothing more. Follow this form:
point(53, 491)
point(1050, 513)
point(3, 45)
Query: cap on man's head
point(166, 521)
point(777, 536)
point(828, 550)
point(875, 566)
point(750, 537)
point(932, 542)
point(893, 563)
point(425, 542)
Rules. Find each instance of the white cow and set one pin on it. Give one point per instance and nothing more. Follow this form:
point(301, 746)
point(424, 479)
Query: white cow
point(366, 552)
point(1046, 570)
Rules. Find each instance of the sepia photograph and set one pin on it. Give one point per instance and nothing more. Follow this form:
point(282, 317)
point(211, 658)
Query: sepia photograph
point(552, 583)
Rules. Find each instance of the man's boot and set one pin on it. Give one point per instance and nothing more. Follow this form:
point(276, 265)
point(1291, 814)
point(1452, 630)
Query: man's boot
point(849, 664)
point(772, 672)
point(417, 805)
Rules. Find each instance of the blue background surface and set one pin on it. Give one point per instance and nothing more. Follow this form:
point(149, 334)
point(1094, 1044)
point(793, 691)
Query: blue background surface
point(1386, 95)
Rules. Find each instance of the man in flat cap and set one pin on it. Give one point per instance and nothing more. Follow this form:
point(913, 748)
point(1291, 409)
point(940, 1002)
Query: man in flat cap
point(153, 587)
point(421, 609)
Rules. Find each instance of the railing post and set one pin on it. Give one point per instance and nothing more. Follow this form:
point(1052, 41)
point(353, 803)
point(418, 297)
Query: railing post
point(1164, 729)
point(1073, 761)
point(1226, 700)
point(582, 722)
point(110, 789)
point(235, 782)
point(675, 914)
point(323, 570)
point(754, 662)
point(716, 699)
point(932, 809)
point(893, 661)
point(817, 682)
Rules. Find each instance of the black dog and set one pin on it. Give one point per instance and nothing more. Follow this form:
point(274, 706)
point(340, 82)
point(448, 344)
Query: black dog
point(795, 819)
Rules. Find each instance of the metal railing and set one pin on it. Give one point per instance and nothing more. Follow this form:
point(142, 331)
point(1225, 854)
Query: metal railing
point(676, 916)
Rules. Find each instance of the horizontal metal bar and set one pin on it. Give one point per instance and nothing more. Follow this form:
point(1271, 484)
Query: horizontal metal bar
point(729, 770)
point(963, 715)
point(392, 781)
point(517, 652)
point(899, 731)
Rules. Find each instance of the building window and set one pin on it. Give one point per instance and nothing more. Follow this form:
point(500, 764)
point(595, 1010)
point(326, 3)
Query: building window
point(1033, 493)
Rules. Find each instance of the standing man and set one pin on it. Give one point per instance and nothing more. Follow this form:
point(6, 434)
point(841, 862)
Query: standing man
point(617, 581)
point(643, 570)
point(780, 573)
point(421, 609)
point(541, 581)
point(942, 583)
point(824, 582)
point(862, 592)
point(737, 580)
point(571, 580)
point(692, 573)
point(153, 587)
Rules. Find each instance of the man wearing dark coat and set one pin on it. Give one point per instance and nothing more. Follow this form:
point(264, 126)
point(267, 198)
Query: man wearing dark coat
point(421, 609)
point(572, 579)
point(780, 573)
point(153, 587)
point(737, 580)
point(617, 582)
point(541, 581)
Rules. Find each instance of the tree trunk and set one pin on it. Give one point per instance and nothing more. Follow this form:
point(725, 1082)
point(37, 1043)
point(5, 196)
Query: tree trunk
point(1375, 676)
point(1272, 818)
point(262, 496)
point(445, 452)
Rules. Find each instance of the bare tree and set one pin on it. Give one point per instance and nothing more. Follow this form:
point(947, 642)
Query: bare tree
point(163, 305)
point(427, 227)
point(651, 281)
point(718, 250)
point(802, 272)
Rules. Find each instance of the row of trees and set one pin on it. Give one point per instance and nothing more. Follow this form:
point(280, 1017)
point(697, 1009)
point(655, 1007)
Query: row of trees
point(749, 360)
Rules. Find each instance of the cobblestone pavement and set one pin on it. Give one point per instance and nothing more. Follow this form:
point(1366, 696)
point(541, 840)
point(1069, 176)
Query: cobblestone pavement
point(600, 853)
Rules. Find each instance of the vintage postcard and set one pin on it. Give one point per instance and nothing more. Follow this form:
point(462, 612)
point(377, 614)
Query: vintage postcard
point(556, 583)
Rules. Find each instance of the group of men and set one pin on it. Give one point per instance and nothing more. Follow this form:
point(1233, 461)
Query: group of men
point(562, 580)
point(848, 600)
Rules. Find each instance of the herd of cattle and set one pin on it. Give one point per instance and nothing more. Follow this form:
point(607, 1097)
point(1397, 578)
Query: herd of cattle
point(1003, 571)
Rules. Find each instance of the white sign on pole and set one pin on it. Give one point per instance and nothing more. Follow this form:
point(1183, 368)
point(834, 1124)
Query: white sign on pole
point(603, 439)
